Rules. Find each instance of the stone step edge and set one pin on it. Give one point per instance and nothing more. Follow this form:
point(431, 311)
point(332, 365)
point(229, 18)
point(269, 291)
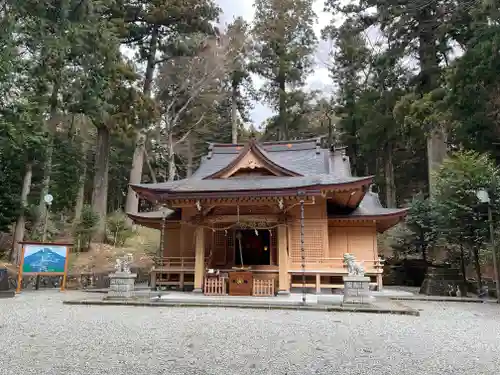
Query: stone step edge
point(443, 299)
point(373, 309)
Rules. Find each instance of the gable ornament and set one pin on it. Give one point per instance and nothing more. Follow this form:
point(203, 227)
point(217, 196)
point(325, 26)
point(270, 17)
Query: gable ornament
point(252, 164)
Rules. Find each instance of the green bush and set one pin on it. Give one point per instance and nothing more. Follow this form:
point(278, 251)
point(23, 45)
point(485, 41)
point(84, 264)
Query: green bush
point(85, 228)
point(118, 232)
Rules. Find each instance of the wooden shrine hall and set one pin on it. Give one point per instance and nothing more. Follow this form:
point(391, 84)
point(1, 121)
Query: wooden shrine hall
point(255, 219)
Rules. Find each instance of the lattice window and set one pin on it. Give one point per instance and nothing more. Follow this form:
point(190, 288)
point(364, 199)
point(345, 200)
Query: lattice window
point(230, 246)
point(172, 242)
point(219, 246)
point(274, 245)
point(189, 240)
point(314, 232)
point(209, 248)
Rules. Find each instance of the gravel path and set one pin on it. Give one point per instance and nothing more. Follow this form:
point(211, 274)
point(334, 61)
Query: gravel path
point(39, 335)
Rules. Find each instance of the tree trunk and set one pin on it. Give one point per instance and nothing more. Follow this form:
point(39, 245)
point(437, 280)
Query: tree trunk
point(477, 268)
point(462, 267)
point(80, 195)
point(132, 203)
point(429, 80)
point(390, 186)
point(47, 170)
point(171, 157)
point(152, 172)
point(436, 153)
point(189, 169)
point(330, 131)
point(283, 125)
point(423, 246)
point(21, 220)
point(234, 114)
point(100, 188)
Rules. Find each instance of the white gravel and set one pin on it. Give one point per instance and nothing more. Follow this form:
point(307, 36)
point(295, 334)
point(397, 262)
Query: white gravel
point(39, 335)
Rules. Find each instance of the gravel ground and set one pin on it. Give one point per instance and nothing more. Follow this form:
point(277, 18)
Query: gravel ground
point(39, 335)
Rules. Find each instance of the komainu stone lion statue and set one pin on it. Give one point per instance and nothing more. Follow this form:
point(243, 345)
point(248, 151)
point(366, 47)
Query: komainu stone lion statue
point(123, 264)
point(353, 268)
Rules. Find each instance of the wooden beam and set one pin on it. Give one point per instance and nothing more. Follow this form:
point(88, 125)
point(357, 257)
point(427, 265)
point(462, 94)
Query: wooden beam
point(244, 218)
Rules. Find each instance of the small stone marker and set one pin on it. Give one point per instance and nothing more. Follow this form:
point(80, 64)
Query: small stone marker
point(122, 282)
point(5, 290)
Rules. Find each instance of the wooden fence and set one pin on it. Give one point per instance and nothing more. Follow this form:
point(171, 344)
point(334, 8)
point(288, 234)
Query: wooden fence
point(214, 286)
point(263, 288)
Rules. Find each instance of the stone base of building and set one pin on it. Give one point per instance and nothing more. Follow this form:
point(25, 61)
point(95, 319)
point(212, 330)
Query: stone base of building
point(283, 293)
point(7, 294)
point(121, 286)
point(356, 290)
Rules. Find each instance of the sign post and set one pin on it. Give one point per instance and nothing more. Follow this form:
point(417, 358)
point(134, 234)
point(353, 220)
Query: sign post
point(43, 259)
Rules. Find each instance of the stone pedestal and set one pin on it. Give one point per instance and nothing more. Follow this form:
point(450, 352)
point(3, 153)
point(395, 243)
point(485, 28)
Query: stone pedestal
point(356, 290)
point(5, 289)
point(122, 285)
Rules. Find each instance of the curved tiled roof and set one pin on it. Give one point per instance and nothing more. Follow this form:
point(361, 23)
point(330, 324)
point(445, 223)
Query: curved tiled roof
point(371, 208)
point(302, 157)
point(261, 153)
point(314, 167)
point(255, 183)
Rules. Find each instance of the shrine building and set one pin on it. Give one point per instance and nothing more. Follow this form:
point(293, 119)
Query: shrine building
point(278, 215)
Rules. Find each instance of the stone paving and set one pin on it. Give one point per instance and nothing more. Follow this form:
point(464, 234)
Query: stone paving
point(39, 335)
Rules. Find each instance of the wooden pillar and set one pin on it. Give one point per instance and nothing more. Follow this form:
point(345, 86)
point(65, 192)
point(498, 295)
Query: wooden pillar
point(153, 280)
point(199, 263)
point(284, 280)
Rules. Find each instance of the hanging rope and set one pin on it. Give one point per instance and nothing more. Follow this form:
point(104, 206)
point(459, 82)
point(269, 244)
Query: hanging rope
point(162, 237)
point(302, 251)
point(238, 237)
point(237, 224)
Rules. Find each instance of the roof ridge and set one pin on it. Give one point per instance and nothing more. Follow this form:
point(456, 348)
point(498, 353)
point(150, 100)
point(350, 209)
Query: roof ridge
point(260, 152)
point(295, 141)
point(270, 143)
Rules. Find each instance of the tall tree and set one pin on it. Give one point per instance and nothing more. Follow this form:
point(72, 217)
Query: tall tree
point(153, 28)
point(457, 182)
point(188, 86)
point(239, 76)
point(104, 91)
point(350, 73)
point(284, 43)
point(474, 95)
point(50, 30)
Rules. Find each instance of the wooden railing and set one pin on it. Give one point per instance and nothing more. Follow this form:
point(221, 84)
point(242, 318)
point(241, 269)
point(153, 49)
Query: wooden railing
point(263, 288)
point(214, 286)
point(338, 262)
point(174, 262)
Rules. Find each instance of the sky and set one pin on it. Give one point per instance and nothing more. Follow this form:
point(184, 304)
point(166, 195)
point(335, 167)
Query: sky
point(319, 79)
point(32, 249)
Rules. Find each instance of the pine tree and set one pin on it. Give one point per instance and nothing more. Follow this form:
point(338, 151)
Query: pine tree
point(284, 43)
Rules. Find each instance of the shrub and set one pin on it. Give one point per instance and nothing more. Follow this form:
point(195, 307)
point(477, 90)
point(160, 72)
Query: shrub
point(118, 232)
point(85, 228)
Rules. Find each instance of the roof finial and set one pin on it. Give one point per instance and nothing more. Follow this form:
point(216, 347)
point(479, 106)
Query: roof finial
point(371, 187)
point(210, 150)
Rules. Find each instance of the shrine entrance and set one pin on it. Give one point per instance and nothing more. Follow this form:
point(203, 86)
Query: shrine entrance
point(252, 247)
